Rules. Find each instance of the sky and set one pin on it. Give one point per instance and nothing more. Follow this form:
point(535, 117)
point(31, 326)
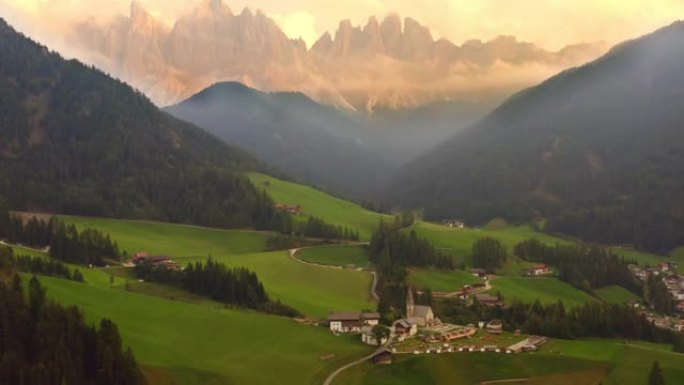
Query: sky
point(550, 24)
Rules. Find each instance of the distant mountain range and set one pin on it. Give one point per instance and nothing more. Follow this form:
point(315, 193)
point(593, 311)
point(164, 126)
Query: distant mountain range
point(598, 151)
point(385, 65)
point(75, 141)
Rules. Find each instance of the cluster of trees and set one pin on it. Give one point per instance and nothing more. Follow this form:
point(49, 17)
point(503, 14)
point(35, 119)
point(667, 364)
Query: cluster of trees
point(585, 267)
point(594, 319)
point(36, 265)
point(45, 344)
point(391, 251)
point(489, 254)
point(35, 232)
point(656, 293)
point(90, 246)
point(234, 286)
point(316, 227)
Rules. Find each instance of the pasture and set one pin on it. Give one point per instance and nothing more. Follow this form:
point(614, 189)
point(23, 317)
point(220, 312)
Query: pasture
point(316, 203)
point(312, 290)
point(615, 294)
point(546, 290)
point(441, 280)
point(181, 343)
point(341, 255)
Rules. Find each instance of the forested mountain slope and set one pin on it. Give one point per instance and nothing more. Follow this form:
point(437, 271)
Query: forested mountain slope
point(597, 150)
point(73, 140)
point(309, 141)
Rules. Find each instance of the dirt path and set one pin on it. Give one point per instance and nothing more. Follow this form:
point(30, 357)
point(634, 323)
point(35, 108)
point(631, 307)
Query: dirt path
point(452, 294)
point(44, 250)
point(509, 381)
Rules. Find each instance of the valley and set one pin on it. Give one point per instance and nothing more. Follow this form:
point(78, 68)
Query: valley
point(378, 205)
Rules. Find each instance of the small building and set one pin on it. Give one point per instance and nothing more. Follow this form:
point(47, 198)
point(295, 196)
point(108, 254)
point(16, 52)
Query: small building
point(351, 322)
point(495, 327)
point(367, 336)
point(454, 224)
point(541, 269)
point(382, 357)
point(289, 209)
point(405, 328)
point(481, 273)
point(488, 300)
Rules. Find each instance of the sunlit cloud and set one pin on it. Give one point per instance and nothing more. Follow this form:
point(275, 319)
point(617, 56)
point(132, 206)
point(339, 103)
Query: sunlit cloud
point(549, 23)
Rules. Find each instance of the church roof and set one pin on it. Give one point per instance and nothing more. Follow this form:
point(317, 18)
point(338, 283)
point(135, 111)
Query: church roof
point(421, 311)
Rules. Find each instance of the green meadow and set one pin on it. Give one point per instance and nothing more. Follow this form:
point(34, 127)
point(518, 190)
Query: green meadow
point(312, 290)
point(441, 280)
point(183, 343)
point(465, 369)
point(339, 255)
point(316, 203)
point(546, 290)
point(559, 362)
point(615, 294)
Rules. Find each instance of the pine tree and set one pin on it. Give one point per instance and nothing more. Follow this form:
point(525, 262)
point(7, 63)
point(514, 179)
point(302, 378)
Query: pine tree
point(656, 375)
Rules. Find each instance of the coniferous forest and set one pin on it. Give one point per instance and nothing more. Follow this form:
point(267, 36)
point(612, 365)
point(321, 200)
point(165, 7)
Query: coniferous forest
point(75, 141)
point(44, 343)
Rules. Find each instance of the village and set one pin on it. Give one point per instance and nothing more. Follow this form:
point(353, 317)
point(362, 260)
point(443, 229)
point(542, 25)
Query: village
point(667, 272)
point(423, 333)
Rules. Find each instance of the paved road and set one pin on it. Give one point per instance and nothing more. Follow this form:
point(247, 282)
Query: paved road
point(451, 294)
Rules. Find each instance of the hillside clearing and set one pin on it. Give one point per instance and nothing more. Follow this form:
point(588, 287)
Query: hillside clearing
point(546, 290)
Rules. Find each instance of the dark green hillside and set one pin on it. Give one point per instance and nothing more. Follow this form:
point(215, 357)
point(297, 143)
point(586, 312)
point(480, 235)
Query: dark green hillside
point(309, 141)
point(597, 150)
point(73, 140)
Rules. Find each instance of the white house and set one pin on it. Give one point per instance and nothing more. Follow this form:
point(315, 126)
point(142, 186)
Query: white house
point(351, 322)
point(367, 336)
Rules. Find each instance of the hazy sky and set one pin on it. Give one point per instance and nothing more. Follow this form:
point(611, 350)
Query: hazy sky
point(549, 23)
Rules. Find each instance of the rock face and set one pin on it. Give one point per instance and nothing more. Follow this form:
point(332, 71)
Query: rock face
point(387, 64)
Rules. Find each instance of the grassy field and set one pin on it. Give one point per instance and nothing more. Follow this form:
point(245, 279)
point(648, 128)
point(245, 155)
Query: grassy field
point(615, 294)
point(336, 255)
point(174, 240)
point(465, 369)
point(184, 343)
point(316, 203)
point(459, 242)
point(441, 280)
point(312, 290)
point(631, 361)
point(546, 290)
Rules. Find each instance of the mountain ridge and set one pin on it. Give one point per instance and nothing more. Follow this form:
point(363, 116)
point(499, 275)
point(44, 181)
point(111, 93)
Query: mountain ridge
point(595, 150)
point(211, 44)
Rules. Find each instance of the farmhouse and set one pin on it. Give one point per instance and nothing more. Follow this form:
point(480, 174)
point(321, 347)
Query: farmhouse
point(420, 315)
point(155, 260)
point(289, 209)
point(405, 328)
point(488, 300)
point(541, 269)
point(454, 224)
point(351, 322)
point(481, 273)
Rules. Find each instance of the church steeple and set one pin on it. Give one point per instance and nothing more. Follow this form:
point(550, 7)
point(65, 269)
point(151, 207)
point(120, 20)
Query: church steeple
point(410, 304)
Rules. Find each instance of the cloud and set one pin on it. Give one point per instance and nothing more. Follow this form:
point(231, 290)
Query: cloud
point(299, 24)
point(549, 23)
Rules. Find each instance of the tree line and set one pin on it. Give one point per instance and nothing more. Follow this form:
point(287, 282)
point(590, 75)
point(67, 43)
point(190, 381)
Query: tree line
point(489, 254)
point(37, 265)
point(594, 319)
point(392, 252)
point(44, 343)
point(315, 227)
point(214, 280)
point(585, 267)
point(88, 247)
